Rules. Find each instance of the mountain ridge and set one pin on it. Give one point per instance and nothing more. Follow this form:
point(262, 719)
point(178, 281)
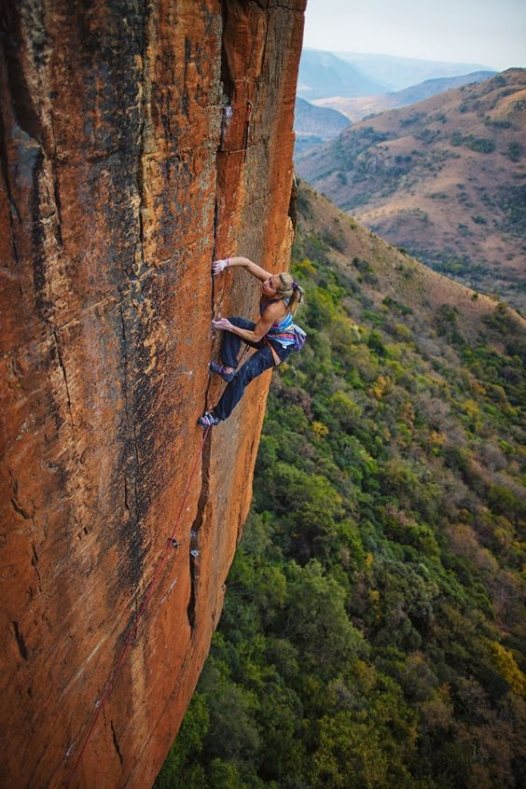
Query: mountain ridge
point(314, 125)
point(357, 109)
point(322, 73)
point(402, 72)
point(443, 178)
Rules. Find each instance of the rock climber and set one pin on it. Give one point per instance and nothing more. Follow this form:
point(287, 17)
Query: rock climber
point(273, 334)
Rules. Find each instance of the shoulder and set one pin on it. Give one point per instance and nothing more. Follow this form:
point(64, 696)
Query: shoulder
point(274, 309)
point(273, 304)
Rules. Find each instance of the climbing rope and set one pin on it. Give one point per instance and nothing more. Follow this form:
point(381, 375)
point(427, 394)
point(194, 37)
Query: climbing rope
point(171, 544)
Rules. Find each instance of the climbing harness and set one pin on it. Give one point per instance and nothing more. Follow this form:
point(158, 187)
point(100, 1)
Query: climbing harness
point(171, 543)
point(275, 356)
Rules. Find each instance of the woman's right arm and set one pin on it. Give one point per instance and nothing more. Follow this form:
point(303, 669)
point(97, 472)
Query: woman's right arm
point(248, 265)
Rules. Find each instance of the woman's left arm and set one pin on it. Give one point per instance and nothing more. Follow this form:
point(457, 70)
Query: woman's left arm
point(271, 314)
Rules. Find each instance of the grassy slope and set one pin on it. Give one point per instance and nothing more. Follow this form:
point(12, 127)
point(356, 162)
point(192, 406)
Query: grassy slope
point(373, 633)
point(444, 178)
point(398, 275)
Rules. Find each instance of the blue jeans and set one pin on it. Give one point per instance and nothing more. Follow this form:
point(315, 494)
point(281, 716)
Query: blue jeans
point(257, 364)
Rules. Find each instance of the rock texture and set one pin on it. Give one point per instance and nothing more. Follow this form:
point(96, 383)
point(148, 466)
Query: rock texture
point(138, 142)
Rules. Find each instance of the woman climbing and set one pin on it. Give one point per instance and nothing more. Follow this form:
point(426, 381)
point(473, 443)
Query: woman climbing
point(272, 335)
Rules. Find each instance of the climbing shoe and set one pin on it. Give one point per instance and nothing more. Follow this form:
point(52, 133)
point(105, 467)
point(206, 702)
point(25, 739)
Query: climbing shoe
point(208, 419)
point(220, 369)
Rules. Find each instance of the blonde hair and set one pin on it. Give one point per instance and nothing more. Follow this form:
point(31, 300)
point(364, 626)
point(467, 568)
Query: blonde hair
point(289, 289)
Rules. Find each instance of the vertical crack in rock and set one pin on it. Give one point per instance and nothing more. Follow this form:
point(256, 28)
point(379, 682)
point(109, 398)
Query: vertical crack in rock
point(34, 563)
point(193, 556)
point(194, 533)
point(19, 510)
point(134, 315)
point(130, 530)
point(22, 648)
point(14, 213)
point(116, 743)
point(58, 206)
point(293, 205)
point(63, 369)
point(39, 255)
point(144, 98)
point(31, 119)
point(145, 125)
point(228, 82)
point(185, 99)
point(227, 78)
point(126, 496)
point(15, 40)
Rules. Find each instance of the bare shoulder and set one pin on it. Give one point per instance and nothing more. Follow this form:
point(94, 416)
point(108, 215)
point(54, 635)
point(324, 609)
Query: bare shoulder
point(274, 309)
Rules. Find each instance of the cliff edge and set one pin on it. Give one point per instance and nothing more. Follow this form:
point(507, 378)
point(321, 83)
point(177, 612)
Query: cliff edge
point(138, 142)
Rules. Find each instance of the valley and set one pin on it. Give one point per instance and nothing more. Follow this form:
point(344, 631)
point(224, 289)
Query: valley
point(444, 179)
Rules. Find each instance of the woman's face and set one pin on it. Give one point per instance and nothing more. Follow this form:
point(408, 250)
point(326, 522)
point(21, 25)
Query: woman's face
point(270, 287)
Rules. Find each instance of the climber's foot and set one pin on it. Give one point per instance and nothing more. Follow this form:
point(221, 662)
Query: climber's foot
point(209, 419)
point(226, 373)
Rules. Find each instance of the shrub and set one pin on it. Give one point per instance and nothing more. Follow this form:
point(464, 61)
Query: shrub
point(514, 151)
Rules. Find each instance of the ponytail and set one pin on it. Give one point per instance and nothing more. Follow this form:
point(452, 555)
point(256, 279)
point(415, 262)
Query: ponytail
point(290, 290)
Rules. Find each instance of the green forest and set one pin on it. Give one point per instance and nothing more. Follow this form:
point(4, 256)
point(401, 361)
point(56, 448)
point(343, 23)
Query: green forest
point(373, 632)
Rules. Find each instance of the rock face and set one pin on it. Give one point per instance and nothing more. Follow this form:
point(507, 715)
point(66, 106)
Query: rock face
point(138, 142)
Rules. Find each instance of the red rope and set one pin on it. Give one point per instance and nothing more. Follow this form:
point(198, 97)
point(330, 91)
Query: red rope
point(132, 631)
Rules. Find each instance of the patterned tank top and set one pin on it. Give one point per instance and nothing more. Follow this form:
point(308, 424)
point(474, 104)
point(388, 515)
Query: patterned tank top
point(280, 331)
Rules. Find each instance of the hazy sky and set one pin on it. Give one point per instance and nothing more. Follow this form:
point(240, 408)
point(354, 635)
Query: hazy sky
point(486, 32)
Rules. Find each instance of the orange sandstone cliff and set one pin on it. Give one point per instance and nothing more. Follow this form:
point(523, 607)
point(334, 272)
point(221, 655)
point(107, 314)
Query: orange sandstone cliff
point(138, 142)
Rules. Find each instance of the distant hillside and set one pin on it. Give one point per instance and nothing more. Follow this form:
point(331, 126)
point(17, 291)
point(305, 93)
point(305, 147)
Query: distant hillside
point(313, 125)
point(444, 178)
point(399, 73)
point(432, 87)
point(323, 74)
point(391, 273)
point(361, 107)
